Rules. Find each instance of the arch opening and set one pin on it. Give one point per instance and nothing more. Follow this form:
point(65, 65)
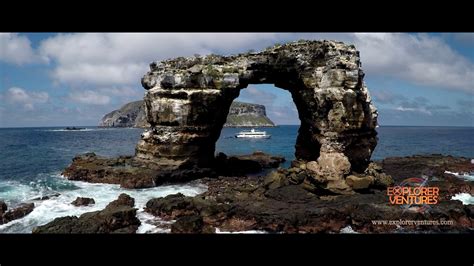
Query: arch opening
point(263, 107)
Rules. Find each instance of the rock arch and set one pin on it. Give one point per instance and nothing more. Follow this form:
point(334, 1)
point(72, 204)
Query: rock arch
point(187, 101)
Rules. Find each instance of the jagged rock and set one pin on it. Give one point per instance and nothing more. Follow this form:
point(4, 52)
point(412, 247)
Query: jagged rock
point(118, 217)
point(47, 197)
point(19, 212)
point(171, 206)
point(188, 99)
point(80, 201)
point(3, 207)
point(249, 203)
point(188, 224)
point(132, 173)
point(122, 200)
point(276, 179)
point(381, 179)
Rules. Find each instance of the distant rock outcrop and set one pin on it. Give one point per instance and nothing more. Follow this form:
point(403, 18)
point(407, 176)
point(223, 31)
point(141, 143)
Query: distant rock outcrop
point(130, 115)
point(247, 115)
point(240, 115)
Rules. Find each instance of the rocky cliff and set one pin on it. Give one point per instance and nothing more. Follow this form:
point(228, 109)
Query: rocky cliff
point(130, 115)
point(247, 115)
point(240, 115)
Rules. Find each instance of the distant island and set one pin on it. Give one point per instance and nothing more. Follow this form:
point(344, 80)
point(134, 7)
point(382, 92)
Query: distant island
point(240, 115)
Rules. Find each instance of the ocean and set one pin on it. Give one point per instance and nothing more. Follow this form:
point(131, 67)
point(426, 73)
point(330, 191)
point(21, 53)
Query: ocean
point(33, 158)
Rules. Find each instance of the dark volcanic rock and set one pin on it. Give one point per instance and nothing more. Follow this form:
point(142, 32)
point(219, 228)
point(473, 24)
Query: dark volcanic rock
point(253, 203)
point(130, 173)
point(122, 200)
point(118, 217)
point(17, 213)
point(126, 171)
point(79, 201)
point(245, 164)
point(47, 197)
point(171, 206)
point(3, 207)
point(433, 168)
point(188, 224)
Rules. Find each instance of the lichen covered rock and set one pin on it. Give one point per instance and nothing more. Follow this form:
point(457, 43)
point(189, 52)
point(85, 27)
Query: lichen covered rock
point(188, 99)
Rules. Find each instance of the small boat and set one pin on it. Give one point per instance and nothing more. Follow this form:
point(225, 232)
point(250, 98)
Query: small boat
point(253, 134)
point(74, 128)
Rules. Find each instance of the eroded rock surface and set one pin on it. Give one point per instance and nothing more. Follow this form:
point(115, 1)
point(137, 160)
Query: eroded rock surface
point(188, 99)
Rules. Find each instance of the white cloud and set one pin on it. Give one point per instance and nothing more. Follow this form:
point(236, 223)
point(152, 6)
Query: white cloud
point(15, 95)
point(122, 58)
point(89, 97)
point(411, 109)
point(16, 49)
point(253, 94)
point(420, 59)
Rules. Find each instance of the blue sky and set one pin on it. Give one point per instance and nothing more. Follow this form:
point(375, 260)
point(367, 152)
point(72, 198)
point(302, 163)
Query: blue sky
point(51, 79)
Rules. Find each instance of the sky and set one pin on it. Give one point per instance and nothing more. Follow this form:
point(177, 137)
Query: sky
point(73, 79)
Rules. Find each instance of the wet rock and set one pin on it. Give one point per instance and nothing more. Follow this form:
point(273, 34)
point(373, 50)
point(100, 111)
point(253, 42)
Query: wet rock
point(118, 217)
point(171, 206)
point(265, 160)
point(127, 172)
point(188, 224)
point(243, 203)
point(79, 201)
point(122, 200)
point(47, 197)
point(3, 207)
point(19, 212)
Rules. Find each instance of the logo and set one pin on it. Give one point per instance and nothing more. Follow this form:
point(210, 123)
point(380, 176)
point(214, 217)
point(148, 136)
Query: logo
point(413, 194)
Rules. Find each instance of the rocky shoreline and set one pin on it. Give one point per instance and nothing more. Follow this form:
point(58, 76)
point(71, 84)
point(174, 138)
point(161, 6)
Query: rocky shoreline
point(278, 202)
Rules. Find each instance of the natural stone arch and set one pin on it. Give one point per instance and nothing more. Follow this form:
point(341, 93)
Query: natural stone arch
point(188, 99)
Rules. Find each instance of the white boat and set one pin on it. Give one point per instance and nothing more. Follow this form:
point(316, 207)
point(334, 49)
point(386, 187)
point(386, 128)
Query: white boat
point(252, 134)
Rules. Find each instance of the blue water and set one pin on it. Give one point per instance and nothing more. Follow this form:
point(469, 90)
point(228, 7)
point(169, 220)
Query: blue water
point(29, 153)
point(31, 159)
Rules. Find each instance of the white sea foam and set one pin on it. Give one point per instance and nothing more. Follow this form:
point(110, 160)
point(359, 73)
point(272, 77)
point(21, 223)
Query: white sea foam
point(218, 231)
point(465, 198)
point(468, 177)
point(348, 230)
point(47, 210)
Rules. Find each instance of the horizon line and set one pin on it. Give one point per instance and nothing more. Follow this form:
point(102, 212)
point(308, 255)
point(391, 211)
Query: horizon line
point(1, 127)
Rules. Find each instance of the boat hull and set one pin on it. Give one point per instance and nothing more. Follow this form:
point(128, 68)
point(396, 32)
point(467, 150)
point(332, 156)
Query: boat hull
point(253, 137)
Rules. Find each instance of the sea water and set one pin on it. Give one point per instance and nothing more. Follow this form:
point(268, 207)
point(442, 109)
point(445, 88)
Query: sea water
point(31, 160)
